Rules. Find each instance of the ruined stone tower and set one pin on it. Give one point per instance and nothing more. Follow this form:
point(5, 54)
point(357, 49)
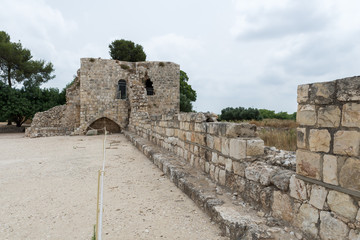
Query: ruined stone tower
point(111, 93)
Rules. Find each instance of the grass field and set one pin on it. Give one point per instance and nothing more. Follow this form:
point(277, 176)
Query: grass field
point(278, 133)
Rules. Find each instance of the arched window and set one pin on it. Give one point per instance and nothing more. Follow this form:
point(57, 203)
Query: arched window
point(149, 87)
point(121, 93)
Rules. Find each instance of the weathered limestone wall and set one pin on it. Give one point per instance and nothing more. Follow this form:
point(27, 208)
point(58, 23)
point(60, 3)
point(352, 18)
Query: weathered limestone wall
point(73, 103)
point(213, 147)
point(49, 123)
point(98, 88)
point(328, 157)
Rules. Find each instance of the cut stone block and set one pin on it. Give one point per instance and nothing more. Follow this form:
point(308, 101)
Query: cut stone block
point(306, 115)
point(332, 228)
point(322, 92)
point(254, 147)
point(209, 141)
point(319, 140)
point(351, 115)
point(301, 137)
point(282, 206)
point(318, 196)
point(330, 167)
point(308, 164)
point(217, 143)
point(350, 174)
point(225, 146)
point(348, 89)
point(297, 188)
point(228, 164)
point(307, 219)
point(329, 116)
point(347, 143)
point(342, 204)
point(238, 148)
point(302, 93)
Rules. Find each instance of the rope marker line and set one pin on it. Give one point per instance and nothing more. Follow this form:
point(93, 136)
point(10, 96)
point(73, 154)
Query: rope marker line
point(100, 193)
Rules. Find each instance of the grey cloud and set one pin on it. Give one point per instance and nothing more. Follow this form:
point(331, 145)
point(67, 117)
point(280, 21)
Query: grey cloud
point(318, 56)
point(297, 18)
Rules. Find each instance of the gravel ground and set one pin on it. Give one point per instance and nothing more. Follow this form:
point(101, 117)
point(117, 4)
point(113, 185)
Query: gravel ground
point(48, 191)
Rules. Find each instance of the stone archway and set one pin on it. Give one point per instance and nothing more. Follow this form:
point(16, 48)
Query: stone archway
point(110, 125)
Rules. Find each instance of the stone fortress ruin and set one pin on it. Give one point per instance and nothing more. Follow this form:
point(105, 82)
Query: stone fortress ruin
point(111, 93)
point(249, 195)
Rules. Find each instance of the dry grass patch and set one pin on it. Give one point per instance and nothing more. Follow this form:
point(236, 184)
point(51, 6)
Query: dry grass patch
point(284, 139)
point(275, 123)
point(278, 133)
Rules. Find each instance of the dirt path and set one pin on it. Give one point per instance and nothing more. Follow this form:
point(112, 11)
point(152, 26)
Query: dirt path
point(48, 191)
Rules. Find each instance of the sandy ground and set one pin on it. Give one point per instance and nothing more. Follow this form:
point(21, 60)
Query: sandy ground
point(48, 191)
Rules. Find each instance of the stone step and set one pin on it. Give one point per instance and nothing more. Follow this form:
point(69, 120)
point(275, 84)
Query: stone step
point(236, 219)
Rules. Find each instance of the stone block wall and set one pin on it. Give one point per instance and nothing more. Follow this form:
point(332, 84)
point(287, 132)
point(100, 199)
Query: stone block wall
point(219, 149)
point(329, 133)
point(328, 156)
point(49, 123)
point(233, 156)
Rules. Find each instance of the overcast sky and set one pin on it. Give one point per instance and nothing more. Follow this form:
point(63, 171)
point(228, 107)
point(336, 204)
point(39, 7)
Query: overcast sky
point(249, 53)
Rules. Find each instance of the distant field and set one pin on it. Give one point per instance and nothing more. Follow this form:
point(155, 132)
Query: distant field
point(278, 133)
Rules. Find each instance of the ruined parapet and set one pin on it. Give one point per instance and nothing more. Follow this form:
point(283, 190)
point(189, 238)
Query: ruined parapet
point(72, 114)
point(49, 123)
point(59, 120)
point(214, 147)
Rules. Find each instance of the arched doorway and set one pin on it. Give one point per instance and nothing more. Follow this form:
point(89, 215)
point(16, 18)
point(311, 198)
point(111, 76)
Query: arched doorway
point(110, 125)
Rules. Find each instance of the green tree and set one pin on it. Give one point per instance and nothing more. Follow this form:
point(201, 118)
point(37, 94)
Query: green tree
point(125, 50)
point(280, 115)
point(17, 66)
point(240, 113)
point(187, 94)
point(19, 105)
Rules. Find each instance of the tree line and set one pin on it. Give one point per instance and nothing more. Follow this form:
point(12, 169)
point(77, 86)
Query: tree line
point(241, 113)
point(19, 105)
